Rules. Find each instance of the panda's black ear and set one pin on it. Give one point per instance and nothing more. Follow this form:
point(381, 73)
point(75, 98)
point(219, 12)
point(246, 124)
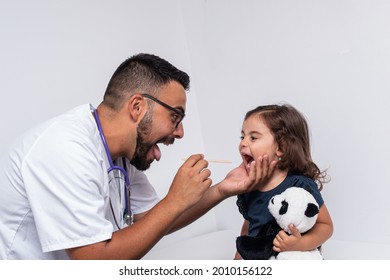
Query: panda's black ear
point(283, 209)
point(311, 210)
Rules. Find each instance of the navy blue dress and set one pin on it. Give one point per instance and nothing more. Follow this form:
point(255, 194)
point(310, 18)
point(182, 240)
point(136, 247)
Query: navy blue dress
point(254, 205)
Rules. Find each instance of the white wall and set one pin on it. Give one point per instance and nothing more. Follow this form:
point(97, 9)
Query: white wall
point(58, 54)
point(330, 59)
point(55, 55)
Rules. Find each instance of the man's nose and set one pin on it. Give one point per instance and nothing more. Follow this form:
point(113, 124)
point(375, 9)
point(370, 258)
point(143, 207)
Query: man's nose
point(179, 131)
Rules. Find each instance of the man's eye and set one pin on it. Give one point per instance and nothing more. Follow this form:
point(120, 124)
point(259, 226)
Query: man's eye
point(253, 138)
point(175, 118)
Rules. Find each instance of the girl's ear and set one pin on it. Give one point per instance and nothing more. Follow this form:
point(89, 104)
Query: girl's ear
point(279, 152)
point(136, 106)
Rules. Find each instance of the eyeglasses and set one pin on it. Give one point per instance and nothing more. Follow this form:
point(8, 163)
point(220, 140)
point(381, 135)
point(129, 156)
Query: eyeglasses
point(179, 115)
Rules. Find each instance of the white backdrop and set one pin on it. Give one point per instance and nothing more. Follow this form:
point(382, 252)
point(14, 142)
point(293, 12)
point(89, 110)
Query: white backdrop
point(330, 59)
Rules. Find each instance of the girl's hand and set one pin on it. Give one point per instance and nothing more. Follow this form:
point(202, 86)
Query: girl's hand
point(285, 242)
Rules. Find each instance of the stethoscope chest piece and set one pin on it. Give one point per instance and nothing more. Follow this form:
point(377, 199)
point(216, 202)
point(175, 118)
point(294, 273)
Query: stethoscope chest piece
point(128, 219)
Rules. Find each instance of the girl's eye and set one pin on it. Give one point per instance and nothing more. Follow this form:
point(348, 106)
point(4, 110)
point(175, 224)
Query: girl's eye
point(251, 138)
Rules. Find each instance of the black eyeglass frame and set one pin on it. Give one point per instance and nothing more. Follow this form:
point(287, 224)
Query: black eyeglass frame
point(176, 111)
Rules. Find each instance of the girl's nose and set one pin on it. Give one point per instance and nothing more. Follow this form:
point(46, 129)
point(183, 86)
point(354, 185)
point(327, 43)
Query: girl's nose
point(243, 143)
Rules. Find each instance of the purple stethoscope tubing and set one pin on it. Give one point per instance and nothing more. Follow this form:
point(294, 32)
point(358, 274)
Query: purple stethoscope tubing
point(127, 214)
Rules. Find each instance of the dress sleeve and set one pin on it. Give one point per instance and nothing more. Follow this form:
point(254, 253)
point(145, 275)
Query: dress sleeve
point(242, 207)
point(312, 187)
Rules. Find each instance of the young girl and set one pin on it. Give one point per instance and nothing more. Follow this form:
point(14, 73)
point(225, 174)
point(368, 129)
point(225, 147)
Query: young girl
point(281, 133)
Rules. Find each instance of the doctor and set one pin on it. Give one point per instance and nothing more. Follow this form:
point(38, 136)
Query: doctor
point(73, 186)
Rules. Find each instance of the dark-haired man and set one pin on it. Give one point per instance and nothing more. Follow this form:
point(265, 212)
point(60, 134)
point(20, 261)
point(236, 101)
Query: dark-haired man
point(73, 187)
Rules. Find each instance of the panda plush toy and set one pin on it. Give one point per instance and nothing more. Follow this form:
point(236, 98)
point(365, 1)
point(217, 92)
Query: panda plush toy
point(293, 206)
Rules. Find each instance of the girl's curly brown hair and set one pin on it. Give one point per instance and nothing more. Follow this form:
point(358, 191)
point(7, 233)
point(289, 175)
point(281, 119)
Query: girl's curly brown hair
point(291, 133)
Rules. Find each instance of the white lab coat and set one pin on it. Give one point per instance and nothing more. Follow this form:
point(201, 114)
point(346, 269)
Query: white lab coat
point(55, 192)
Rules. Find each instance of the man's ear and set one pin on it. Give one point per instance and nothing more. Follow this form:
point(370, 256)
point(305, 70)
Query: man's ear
point(136, 107)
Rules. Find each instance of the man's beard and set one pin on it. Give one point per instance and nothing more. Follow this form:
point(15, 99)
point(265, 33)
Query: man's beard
point(139, 159)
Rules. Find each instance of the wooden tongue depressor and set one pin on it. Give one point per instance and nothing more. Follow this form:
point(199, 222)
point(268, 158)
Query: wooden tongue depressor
point(214, 160)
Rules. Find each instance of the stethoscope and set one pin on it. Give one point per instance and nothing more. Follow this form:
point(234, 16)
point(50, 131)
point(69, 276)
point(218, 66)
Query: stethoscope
point(127, 215)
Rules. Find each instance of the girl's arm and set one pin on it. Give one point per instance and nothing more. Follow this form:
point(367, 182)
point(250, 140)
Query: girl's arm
point(314, 238)
point(244, 231)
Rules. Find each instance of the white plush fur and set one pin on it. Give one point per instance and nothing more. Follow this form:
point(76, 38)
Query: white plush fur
point(297, 200)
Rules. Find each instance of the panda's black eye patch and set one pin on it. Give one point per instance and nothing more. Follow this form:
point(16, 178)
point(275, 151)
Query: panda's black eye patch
point(311, 210)
point(272, 200)
point(284, 208)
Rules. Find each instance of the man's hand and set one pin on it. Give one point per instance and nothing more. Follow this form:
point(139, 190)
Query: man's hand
point(190, 183)
point(239, 181)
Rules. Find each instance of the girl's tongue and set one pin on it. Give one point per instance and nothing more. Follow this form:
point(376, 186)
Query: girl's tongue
point(248, 159)
point(248, 167)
